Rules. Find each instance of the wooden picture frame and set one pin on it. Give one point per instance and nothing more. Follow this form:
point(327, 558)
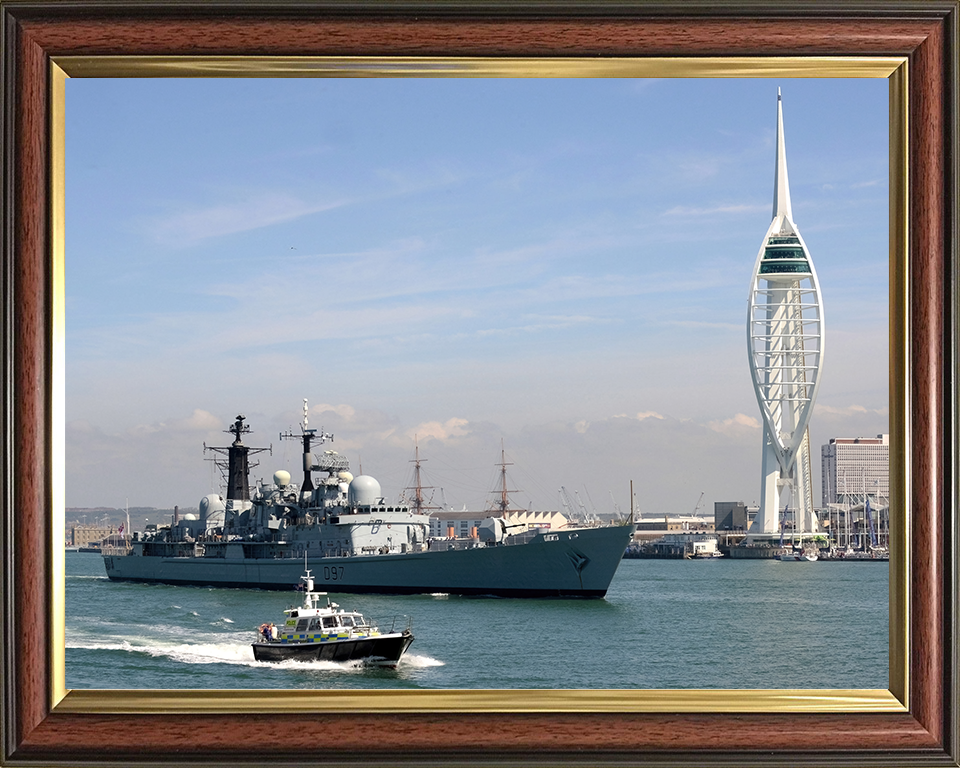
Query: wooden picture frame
point(916, 721)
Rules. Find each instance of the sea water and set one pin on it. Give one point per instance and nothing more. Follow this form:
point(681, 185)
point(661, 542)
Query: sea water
point(664, 624)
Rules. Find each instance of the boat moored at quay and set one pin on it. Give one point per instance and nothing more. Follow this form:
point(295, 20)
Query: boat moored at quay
point(356, 542)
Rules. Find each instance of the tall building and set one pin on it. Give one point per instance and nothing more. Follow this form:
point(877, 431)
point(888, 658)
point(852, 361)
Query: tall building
point(785, 347)
point(730, 516)
point(854, 468)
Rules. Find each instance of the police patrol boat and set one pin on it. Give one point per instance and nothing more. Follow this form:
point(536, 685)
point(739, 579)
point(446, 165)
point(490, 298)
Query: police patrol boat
point(356, 541)
point(316, 632)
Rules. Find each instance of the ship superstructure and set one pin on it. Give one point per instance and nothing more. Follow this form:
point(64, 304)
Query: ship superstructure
point(785, 342)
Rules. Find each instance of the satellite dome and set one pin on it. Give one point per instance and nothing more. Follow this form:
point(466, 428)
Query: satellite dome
point(211, 510)
point(209, 505)
point(281, 478)
point(345, 476)
point(363, 491)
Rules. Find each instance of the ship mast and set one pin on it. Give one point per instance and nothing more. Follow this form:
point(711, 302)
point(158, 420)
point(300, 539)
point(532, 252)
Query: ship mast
point(237, 467)
point(418, 505)
point(502, 507)
point(307, 436)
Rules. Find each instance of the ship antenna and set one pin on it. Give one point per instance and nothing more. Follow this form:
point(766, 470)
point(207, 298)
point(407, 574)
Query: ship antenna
point(307, 436)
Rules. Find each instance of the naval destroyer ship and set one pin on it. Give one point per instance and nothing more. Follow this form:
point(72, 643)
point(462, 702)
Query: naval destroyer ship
point(355, 541)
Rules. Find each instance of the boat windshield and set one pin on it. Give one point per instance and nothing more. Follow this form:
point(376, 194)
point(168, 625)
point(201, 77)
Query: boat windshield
point(347, 621)
point(329, 621)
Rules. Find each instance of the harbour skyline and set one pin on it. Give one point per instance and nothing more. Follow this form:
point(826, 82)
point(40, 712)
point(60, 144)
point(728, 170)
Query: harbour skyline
point(556, 263)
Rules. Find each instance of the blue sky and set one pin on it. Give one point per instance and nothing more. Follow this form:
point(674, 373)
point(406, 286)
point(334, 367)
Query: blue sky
point(560, 264)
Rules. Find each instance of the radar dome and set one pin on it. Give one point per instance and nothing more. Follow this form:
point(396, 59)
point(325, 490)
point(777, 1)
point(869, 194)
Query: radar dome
point(210, 506)
point(281, 478)
point(345, 476)
point(363, 491)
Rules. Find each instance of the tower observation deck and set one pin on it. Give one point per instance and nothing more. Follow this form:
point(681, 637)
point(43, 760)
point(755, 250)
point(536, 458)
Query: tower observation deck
point(785, 348)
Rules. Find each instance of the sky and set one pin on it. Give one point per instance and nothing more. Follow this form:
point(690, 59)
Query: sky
point(554, 268)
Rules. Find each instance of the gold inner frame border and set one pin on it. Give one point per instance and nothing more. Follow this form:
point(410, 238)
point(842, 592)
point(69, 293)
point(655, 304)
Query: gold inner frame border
point(513, 701)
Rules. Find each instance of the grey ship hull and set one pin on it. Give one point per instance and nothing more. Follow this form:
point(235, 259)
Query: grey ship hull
point(568, 563)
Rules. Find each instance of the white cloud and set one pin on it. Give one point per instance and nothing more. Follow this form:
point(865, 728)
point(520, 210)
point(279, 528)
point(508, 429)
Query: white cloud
point(703, 324)
point(546, 323)
point(437, 430)
point(260, 210)
point(642, 84)
point(847, 410)
point(649, 415)
point(683, 210)
point(740, 421)
point(199, 420)
point(345, 412)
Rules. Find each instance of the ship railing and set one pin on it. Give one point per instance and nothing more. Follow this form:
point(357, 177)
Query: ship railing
point(524, 537)
point(113, 550)
point(400, 620)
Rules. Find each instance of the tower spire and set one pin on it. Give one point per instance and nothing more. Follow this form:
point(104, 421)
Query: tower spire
point(781, 186)
point(785, 340)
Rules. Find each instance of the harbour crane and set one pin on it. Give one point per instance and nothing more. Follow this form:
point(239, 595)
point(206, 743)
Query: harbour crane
point(583, 509)
point(566, 503)
point(696, 508)
point(615, 505)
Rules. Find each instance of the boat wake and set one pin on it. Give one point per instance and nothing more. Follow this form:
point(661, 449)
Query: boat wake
point(409, 661)
point(185, 653)
point(230, 653)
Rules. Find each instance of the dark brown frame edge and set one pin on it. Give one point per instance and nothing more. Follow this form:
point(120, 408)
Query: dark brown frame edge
point(925, 32)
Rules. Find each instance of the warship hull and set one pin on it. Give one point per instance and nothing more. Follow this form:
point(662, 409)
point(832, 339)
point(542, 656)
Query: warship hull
point(569, 563)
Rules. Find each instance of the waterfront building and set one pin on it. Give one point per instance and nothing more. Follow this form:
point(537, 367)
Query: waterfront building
point(853, 468)
point(730, 516)
point(464, 524)
point(666, 524)
point(89, 535)
point(785, 335)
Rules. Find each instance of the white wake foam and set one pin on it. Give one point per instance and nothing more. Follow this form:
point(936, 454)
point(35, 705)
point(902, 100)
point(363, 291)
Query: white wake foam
point(227, 650)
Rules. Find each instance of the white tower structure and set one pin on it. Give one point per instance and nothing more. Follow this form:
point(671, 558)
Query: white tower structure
point(785, 346)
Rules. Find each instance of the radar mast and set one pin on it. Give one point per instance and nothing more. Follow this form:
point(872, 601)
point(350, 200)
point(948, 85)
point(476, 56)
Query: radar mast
point(235, 469)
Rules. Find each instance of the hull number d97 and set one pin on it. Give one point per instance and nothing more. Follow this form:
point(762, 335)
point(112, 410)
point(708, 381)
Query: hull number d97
point(332, 572)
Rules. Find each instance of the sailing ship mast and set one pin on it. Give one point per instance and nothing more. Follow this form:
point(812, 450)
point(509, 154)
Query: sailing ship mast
point(418, 504)
point(502, 506)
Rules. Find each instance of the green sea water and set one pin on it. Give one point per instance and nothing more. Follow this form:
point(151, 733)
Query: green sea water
point(664, 624)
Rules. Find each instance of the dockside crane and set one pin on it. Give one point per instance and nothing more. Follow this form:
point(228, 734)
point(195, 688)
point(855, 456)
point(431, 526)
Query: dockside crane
point(583, 508)
point(615, 505)
point(566, 503)
point(699, 501)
